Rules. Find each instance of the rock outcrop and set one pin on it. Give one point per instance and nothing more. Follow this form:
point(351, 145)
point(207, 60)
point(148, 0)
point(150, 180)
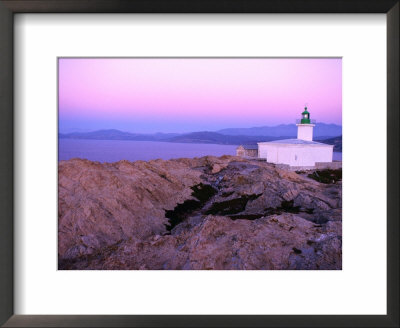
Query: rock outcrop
point(202, 213)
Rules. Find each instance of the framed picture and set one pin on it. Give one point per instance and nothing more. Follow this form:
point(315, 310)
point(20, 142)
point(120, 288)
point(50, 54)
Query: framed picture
point(181, 164)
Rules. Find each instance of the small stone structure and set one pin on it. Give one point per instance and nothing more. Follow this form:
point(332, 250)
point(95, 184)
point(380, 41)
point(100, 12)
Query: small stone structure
point(247, 151)
point(335, 165)
point(318, 166)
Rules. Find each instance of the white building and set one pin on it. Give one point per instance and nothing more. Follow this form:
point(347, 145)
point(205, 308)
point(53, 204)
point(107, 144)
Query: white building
point(302, 152)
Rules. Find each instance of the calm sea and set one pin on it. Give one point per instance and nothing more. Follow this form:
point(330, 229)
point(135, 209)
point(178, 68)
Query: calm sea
point(116, 150)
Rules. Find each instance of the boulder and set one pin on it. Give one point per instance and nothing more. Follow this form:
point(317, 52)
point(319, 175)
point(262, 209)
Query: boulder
point(257, 217)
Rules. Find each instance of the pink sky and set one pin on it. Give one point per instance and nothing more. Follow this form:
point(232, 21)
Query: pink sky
point(148, 95)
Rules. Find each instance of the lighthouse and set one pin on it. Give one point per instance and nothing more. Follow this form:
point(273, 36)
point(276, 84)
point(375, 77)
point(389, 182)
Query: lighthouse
point(305, 127)
point(300, 153)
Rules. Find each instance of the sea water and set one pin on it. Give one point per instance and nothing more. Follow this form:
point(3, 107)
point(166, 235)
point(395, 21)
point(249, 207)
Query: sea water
point(116, 150)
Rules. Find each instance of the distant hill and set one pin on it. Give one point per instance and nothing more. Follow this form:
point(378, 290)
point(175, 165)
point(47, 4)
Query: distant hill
point(290, 130)
point(113, 134)
point(322, 132)
point(336, 141)
point(218, 138)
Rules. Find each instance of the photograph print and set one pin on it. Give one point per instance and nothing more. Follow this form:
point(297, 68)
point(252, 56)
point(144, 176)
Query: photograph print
point(199, 163)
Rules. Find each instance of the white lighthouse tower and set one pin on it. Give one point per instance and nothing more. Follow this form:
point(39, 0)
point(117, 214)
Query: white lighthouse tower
point(305, 127)
point(300, 153)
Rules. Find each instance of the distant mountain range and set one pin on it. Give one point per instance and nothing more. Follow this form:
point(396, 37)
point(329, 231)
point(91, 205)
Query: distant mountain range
point(327, 133)
point(218, 138)
point(194, 137)
point(113, 134)
point(320, 130)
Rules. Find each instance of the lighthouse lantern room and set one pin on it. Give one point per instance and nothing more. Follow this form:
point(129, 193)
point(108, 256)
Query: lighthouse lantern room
point(305, 119)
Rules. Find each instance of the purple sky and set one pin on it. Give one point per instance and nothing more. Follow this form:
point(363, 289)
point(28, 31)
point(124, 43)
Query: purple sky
point(185, 95)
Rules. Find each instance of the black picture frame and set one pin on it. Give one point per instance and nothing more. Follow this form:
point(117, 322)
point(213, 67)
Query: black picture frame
point(10, 7)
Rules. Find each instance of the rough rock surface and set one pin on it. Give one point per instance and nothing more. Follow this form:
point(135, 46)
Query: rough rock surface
point(202, 213)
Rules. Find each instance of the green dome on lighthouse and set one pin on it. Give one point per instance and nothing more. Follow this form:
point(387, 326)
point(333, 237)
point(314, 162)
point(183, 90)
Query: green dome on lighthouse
point(305, 117)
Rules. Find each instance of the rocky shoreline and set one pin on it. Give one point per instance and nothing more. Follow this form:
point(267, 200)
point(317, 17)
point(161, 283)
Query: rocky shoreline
point(203, 213)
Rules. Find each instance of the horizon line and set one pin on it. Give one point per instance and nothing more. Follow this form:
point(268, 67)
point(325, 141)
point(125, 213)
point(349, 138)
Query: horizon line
point(252, 127)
